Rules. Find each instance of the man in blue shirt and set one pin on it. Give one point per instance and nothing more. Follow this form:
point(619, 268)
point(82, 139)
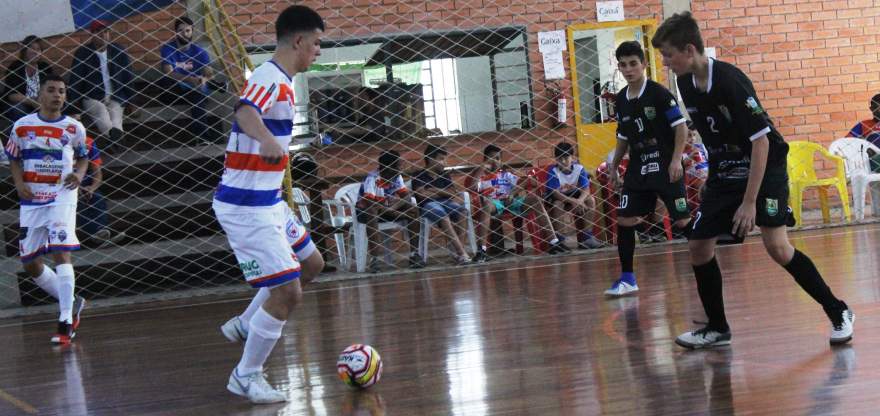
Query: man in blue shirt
point(188, 72)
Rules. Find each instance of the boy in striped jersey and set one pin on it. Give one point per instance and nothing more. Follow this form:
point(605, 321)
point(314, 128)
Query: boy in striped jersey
point(248, 201)
point(47, 155)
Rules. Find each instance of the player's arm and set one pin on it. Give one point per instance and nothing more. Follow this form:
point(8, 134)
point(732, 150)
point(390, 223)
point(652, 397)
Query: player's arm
point(675, 166)
point(744, 219)
point(619, 151)
point(97, 178)
point(73, 179)
point(24, 191)
point(249, 121)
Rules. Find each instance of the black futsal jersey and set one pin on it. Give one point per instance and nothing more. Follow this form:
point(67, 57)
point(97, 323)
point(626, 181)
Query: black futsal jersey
point(729, 117)
point(647, 124)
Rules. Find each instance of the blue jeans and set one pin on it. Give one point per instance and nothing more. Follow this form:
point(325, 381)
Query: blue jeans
point(436, 210)
point(91, 215)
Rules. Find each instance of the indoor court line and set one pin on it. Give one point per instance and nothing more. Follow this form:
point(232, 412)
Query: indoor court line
point(469, 273)
point(15, 401)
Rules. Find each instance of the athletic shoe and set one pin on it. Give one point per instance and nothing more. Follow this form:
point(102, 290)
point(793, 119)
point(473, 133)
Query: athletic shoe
point(589, 243)
point(481, 256)
point(416, 262)
point(375, 266)
point(234, 330)
point(79, 303)
point(842, 332)
point(255, 387)
point(64, 335)
point(621, 288)
point(4, 160)
point(462, 260)
point(558, 248)
point(703, 338)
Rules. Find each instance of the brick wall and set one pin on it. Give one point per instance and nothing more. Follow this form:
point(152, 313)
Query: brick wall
point(814, 63)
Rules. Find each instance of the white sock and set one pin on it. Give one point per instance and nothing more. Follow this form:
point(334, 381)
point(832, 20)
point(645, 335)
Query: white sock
point(264, 333)
point(258, 300)
point(65, 292)
point(554, 240)
point(48, 281)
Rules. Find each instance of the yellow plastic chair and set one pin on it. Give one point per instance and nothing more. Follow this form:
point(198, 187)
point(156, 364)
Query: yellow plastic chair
point(802, 175)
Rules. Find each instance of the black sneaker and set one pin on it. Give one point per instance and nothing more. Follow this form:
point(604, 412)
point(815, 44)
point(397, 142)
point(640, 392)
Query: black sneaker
point(416, 262)
point(480, 257)
point(64, 335)
point(375, 266)
point(558, 248)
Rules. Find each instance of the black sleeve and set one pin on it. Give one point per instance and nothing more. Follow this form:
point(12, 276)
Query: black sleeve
point(13, 80)
point(744, 107)
point(418, 181)
point(77, 73)
point(667, 106)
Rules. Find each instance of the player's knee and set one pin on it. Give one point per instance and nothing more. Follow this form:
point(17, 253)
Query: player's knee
point(291, 293)
point(311, 267)
point(780, 251)
point(701, 251)
point(33, 268)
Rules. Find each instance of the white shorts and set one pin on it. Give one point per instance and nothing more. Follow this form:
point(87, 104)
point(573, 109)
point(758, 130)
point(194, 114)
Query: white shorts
point(46, 230)
point(299, 238)
point(260, 244)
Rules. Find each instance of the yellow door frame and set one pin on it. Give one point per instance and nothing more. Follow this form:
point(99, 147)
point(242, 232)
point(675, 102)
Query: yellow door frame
point(592, 153)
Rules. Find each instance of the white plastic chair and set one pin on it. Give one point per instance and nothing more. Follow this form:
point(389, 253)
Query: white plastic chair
point(302, 203)
point(340, 212)
point(854, 152)
point(344, 202)
point(425, 229)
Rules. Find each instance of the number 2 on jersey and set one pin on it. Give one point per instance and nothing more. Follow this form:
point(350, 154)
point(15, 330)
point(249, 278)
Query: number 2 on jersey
point(711, 122)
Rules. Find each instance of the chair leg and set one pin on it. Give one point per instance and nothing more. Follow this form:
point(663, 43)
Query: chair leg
point(360, 247)
point(875, 198)
point(844, 199)
point(859, 189)
point(795, 201)
point(424, 238)
point(340, 250)
point(823, 202)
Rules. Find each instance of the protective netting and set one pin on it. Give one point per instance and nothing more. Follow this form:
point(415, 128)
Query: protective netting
point(392, 75)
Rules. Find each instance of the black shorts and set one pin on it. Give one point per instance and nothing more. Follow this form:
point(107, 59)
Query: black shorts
point(718, 206)
point(638, 202)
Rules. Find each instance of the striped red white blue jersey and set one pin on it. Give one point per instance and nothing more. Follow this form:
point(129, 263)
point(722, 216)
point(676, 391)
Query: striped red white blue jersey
point(497, 185)
point(559, 180)
point(46, 150)
point(249, 183)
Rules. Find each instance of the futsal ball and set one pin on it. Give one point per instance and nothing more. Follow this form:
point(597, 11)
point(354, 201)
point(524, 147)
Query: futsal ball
point(359, 365)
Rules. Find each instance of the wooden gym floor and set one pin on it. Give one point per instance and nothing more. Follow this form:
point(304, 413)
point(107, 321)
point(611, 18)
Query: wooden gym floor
point(530, 337)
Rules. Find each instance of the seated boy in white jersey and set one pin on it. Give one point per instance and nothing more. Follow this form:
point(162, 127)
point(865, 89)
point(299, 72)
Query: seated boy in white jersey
point(568, 183)
point(47, 152)
point(499, 192)
point(384, 197)
point(248, 201)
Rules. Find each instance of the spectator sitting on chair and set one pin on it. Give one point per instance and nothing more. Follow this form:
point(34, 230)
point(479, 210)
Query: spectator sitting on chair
point(100, 84)
point(437, 195)
point(23, 80)
point(870, 131)
point(499, 193)
point(384, 197)
point(188, 74)
point(91, 211)
point(569, 183)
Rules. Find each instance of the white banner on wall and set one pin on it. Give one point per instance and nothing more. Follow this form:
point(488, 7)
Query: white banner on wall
point(609, 11)
point(553, 66)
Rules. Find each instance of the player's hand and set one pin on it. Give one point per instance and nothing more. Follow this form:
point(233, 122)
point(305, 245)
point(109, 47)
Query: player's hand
point(614, 179)
point(271, 152)
point(86, 192)
point(675, 171)
point(72, 181)
point(744, 219)
point(24, 192)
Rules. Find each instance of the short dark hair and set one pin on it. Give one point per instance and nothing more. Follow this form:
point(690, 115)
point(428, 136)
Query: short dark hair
point(297, 19)
point(678, 31)
point(875, 101)
point(630, 48)
point(564, 149)
point(26, 43)
point(182, 20)
point(490, 150)
point(52, 77)
point(389, 159)
point(434, 152)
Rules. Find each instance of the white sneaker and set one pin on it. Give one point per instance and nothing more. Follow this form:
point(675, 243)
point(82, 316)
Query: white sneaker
point(234, 330)
point(621, 288)
point(703, 338)
point(255, 387)
point(843, 332)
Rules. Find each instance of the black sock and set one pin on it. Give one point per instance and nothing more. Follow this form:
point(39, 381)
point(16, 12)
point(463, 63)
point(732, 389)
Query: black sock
point(807, 276)
point(626, 245)
point(711, 294)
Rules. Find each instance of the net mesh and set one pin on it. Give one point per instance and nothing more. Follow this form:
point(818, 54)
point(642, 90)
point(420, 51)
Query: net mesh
point(392, 75)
